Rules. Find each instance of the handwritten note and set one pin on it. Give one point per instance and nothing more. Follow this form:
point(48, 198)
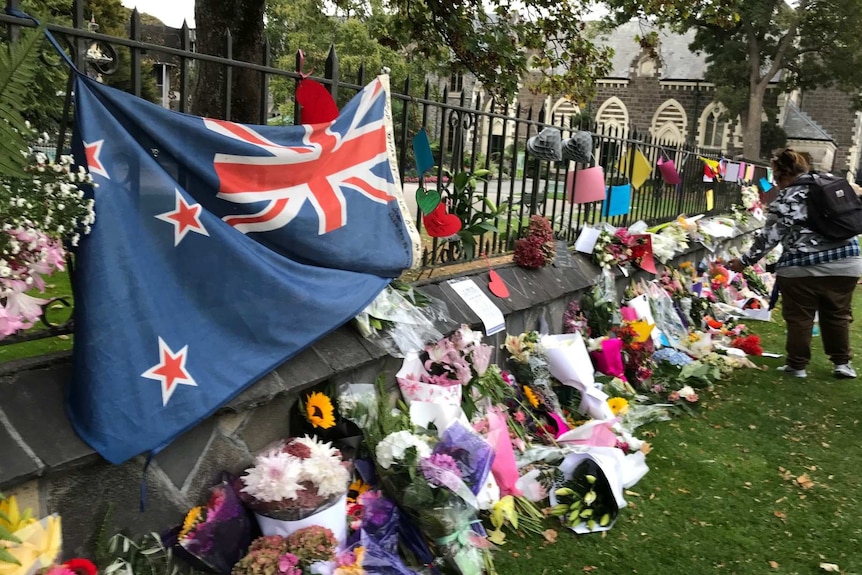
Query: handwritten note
point(491, 316)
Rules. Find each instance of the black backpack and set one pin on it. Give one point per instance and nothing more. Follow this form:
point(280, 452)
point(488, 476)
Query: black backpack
point(834, 209)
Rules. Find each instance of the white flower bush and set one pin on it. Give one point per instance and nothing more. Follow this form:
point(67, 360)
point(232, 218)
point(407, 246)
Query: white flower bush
point(394, 447)
point(38, 213)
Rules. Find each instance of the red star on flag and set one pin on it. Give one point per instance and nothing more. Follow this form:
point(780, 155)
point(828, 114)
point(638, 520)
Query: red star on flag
point(170, 371)
point(94, 164)
point(185, 218)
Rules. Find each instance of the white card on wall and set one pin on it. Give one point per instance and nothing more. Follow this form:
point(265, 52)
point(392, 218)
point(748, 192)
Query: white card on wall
point(491, 316)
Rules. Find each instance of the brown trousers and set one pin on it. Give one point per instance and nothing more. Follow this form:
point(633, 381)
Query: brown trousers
point(831, 298)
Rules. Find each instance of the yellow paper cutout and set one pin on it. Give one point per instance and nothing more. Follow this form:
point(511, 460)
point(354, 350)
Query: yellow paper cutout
point(713, 164)
point(710, 200)
point(641, 168)
point(643, 329)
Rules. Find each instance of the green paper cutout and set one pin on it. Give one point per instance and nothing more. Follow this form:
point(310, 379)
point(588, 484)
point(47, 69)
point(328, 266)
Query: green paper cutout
point(427, 200)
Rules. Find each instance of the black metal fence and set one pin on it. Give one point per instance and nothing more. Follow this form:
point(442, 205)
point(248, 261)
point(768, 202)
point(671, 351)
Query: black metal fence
point(467, 132)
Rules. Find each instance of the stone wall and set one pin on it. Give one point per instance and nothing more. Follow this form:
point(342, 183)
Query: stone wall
point(833, 110)
point(44, 462)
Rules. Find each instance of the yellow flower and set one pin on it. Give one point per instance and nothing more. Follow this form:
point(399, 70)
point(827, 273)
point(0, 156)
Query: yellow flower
point(11, 518)
point(319, 410)
point(193, 517)
point(618, 405)
point(39, 547)
point(531, 396)
point(355, 489)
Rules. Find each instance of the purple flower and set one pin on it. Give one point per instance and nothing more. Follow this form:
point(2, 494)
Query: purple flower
point(441, 470)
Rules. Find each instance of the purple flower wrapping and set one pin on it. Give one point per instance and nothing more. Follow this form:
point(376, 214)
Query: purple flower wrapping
point(221, 539)
point(379, 561)
point(471, 453)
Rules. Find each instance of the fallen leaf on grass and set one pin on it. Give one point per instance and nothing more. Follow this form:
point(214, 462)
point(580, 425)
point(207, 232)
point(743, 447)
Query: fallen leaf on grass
point(646, 448)
point(632, 493)
point(780, 515)
point(590, 567)
point(830, 567)
point(773, 564)
point(550, 535)
point(804, 481)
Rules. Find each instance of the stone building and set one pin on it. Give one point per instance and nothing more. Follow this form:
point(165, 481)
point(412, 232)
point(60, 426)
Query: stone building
point(661, 91)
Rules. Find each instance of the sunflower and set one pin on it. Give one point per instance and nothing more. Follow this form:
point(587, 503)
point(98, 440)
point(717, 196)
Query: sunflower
point(193, 517)
point(355, 489)
point(618, 405)
point(531, 396)
point(319, 410)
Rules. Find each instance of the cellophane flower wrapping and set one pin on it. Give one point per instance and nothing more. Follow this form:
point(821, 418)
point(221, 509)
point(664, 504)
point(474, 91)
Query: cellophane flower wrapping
point(458, 535)
point(666, 316)
point(609, 358)
point(377, 559)
point(416, 384)
point(222, 537)
point(471, 453)
point(402, 321)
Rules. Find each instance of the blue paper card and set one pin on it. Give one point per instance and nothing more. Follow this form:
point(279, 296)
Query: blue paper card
point(765, 185)
point(618, 200)
point(422, 152)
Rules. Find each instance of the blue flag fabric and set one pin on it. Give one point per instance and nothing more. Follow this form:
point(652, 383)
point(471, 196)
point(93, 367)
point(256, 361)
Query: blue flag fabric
point(219, 251)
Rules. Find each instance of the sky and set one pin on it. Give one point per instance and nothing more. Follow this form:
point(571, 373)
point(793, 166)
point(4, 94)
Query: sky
point(172, 12)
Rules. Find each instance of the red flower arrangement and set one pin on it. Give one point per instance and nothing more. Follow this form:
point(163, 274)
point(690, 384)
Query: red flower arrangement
point(750, 344)
point(536, 250)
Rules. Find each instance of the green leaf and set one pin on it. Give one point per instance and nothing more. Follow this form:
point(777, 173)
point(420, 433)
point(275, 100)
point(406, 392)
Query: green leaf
point(6, 557)
point(461, 180)
point(17, 70)
point(6, 535)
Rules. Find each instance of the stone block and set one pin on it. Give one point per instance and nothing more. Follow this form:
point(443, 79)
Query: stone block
point(28, 495)
point(268, 422)
point(178, 459)
point(17, 465)
point(520, 292)
point(82, 497)
point(36, 410)
point(342, 349)
point(304, 369)
point(223, 454)
point(258, 393)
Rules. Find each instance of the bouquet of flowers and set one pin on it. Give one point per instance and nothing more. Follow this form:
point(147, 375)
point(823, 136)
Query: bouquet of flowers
point(27, 544)
point(637, 354)
point(214, 537)
point(295, 554)
point(297, 483)
point(587, 500)
point(40, 212)
point(402, 319)
point(536, 250)
point(611, 248)
point(600, 306)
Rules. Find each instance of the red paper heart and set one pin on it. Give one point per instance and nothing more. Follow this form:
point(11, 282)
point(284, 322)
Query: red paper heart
point(440, 224)
point(497, 285)
point(318, 107)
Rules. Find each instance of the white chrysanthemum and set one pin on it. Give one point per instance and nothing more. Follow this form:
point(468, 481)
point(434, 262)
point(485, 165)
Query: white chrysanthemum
point(394, 445)
point(319, 450)
point(330, 476)
point(274, 477)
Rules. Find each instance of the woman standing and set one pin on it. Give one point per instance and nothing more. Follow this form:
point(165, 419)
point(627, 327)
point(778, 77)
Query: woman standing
point(815, 275)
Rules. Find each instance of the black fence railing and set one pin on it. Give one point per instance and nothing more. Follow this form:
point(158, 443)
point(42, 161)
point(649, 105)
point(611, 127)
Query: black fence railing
point(467, 133)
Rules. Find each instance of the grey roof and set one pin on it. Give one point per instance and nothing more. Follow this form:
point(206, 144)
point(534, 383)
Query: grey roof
point(799, 126)
point(678, 61)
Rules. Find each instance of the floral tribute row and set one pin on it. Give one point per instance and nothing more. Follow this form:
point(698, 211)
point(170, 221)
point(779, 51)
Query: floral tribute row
point(470, 445)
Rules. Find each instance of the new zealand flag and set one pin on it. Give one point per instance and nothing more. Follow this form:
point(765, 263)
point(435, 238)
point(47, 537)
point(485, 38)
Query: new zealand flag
point(219, 251)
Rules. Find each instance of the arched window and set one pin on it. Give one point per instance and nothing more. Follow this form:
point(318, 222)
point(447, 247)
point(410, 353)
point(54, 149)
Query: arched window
point(565, 113)
point(669, 123)
point(713, 127)
point(613, 114)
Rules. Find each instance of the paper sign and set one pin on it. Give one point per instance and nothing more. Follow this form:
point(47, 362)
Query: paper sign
point(769, 175)
point(749, 172)
point(732, 172)
point(618, 201)
point(422, 152)
point(628, 314)
point(491, 316)
point(587, 239)
point(741, 177)
point(641, 170)
point(585, 186)
point(765, 185)
point(668, 171)
point(710, 200)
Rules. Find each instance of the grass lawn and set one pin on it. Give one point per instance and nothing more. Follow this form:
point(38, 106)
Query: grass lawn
point(765, 479)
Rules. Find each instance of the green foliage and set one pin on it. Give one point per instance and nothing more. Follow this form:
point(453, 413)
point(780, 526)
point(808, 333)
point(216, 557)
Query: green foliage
point(6, 535)
point(146, 555)
point(17, 70)
point(772, 137)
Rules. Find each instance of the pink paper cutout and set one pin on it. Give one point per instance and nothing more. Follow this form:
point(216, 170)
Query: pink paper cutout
point(588, 186)
point(668, 171)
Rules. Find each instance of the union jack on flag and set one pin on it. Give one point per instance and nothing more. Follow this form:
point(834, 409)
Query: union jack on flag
point(225, 249)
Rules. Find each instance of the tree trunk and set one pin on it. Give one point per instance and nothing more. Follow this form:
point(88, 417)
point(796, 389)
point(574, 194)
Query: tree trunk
point(244, 19)
point(753, 121)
